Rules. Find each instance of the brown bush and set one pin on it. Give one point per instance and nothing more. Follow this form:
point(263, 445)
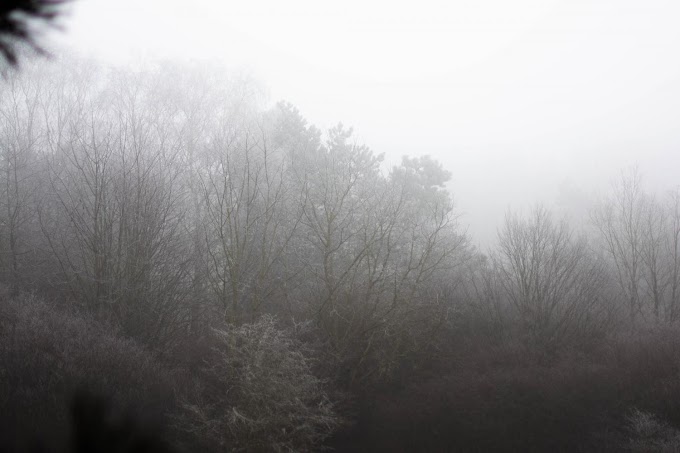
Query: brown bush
point(47, 355)
point(499, 398)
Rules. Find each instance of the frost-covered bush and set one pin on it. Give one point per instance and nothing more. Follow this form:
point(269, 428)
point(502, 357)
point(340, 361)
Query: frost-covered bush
point(260, 393)
point(650, 433)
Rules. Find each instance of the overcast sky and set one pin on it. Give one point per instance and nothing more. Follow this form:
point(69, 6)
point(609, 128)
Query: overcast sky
point(523, 101)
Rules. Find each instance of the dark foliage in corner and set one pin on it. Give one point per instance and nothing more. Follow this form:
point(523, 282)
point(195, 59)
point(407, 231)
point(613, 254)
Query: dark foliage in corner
point(16, 20)
point(97, 428)
point(49, 355)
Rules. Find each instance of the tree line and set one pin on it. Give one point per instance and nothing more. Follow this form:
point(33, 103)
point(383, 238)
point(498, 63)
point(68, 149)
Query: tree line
point(278, 274)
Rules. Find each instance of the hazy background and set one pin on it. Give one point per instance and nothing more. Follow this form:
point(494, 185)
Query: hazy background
point(523, 101)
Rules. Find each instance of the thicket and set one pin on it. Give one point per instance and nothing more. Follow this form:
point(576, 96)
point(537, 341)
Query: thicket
point(226, 272)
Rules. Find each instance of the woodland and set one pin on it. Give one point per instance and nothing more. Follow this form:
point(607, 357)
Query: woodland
point(235, 279)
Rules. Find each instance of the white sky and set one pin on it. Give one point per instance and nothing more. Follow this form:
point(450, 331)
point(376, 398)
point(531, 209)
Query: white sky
point(516, 98)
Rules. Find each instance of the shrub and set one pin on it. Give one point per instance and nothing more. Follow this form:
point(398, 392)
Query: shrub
point(649, 433)
point(46, 355)
point(260, 393)
point(498, 397)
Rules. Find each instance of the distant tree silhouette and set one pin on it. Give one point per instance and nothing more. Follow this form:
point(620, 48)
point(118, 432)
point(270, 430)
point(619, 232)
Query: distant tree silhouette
point(17, 24)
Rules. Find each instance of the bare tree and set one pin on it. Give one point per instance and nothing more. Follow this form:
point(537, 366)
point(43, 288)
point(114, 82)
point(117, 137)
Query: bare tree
point(206, 109)
point(21, 134)
point(640, 235)
point(620, 220)
point(367, 248)
point(672, 247)
point(113, 217)
point(551, 279)
point(247, 227)
point(654, 258)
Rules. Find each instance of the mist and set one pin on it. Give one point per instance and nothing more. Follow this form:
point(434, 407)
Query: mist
point(299, 226)
point(515, 99)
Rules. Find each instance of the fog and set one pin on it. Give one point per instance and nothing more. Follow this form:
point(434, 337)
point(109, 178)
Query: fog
point(297, 226)
point(517, 99)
